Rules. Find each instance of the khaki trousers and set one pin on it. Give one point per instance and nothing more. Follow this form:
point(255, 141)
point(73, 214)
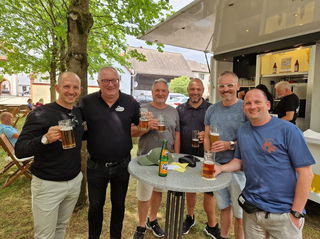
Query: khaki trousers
point(274, 226)
point(52, 205)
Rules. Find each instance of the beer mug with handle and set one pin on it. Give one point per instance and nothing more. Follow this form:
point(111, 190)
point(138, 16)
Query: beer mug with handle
point(67, 134)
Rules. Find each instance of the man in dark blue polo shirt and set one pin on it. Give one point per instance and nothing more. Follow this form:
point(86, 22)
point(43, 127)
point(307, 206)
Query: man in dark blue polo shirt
point(109, 114)
point(191, 116)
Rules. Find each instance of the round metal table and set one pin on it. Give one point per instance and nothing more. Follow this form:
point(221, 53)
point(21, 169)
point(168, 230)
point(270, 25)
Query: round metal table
point(177, 184)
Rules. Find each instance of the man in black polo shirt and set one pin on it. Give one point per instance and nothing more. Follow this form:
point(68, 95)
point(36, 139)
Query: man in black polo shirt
point(109, 114)
point(191, 116)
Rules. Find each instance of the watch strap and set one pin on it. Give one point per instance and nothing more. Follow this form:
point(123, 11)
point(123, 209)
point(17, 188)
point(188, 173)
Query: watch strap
point(296, 214)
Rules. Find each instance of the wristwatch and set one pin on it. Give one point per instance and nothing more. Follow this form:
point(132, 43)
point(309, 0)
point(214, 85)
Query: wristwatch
point(296, 214)
point(232, 145)
point(44, 139)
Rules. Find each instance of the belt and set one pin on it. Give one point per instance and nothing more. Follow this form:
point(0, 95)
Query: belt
point(111, 164)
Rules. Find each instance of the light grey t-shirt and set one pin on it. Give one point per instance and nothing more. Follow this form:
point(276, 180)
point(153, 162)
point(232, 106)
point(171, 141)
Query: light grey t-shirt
point(228, 119)
point(153, 138)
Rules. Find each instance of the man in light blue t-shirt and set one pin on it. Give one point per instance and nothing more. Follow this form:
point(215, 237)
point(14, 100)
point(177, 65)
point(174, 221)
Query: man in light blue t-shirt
point(227, 115)
point(7, 128)
point(277, 165)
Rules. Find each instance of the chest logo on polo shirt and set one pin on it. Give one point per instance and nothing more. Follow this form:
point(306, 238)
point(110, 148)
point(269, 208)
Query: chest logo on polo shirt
point(119, 108)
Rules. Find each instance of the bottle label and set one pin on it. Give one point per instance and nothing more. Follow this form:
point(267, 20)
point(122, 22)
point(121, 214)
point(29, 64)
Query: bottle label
point(163, 169)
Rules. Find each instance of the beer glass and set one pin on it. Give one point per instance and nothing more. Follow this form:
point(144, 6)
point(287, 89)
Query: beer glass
point(214, 134)
point(144, 119)
point(67, 134)
point(195, 139)
point(161, 126)
point(208, 166)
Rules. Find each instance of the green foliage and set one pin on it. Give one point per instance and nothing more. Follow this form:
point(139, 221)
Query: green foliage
point(33, 33)
point(179, 85)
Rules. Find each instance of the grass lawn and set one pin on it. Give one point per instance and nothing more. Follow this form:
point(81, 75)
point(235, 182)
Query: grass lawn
point(16, 217)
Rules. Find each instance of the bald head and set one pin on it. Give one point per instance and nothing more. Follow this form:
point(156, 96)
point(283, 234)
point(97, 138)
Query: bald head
point(68, 75)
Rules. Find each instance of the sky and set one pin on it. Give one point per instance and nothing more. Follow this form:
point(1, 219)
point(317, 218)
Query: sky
point(187, 53)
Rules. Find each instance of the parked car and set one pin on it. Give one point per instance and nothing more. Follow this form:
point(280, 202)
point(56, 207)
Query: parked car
point(142, 99)
point(174, 102)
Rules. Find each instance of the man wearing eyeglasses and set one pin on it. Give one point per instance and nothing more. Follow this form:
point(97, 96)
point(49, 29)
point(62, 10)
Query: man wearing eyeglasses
point(227, 116)
point(56, 175)
point(109, 114)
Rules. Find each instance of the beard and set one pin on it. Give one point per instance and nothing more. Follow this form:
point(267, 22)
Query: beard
point(195, 100)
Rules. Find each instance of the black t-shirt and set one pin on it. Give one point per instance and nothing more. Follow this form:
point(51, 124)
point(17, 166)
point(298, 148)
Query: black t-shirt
point(51, 162)
point(109, 128)
point(191, 119)
point(288, 103)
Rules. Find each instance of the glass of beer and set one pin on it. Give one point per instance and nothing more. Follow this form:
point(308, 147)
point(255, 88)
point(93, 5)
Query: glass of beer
point(214, 134)
point(161, 126)
point(208, 166)
point(67, 134)
point(144, 119)
point(195, 139)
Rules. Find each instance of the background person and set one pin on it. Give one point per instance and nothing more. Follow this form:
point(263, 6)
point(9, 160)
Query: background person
point(268, 94)
point(148, 196)
point(275, 152)
point(30, 104)
point(39, 103)
point(287, 108)
point(109, 114)
point(56, 175)
point(191, 115)
point(227, 116)
point(7, 128)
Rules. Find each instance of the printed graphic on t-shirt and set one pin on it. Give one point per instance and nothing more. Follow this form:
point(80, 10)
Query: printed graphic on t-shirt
point(268, 146)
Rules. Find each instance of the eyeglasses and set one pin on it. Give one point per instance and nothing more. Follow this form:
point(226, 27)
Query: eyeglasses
point(221, 86)
point(113, 82)
point(73, 118)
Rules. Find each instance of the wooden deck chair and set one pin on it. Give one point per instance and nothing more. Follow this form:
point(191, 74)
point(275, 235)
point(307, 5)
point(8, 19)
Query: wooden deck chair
point(22, 165)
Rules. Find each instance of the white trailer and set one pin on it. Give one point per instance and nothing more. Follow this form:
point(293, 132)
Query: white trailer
point(249, 37)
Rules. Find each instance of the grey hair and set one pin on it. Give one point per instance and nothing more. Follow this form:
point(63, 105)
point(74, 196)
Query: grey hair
point(108, 68)
point(283, 85)
point(234, 75)
point(160, 80)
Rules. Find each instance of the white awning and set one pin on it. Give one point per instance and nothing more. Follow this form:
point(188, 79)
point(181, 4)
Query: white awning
point(192, 27)
point(222, 26)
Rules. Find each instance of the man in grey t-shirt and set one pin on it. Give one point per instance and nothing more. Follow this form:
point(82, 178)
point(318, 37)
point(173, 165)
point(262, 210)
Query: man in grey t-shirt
point(227, 116)
point(149, 139)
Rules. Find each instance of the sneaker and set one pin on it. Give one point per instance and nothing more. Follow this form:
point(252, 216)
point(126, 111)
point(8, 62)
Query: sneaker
point(155, 228)
point(187, 224)
point(139, 234)
point(213, 232)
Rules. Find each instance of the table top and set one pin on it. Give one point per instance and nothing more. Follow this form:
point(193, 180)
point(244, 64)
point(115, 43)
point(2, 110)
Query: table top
point(188, 181)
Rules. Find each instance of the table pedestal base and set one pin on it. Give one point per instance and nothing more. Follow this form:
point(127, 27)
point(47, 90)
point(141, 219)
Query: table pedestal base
point(174, 215)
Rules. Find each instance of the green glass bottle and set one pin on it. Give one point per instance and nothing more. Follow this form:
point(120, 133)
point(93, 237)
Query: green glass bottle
point(163, 162)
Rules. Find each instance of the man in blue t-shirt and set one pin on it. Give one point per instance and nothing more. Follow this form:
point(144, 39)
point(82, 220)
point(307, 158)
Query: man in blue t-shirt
point(277, 165)
point(7, 128)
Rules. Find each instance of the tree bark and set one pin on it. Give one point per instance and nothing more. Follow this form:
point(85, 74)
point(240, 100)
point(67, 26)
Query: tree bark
point(53, 69)
point(80, 22)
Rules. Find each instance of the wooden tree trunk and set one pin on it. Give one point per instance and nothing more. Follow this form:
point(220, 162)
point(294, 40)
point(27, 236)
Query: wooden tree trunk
point(53, 69)
point(80, 22)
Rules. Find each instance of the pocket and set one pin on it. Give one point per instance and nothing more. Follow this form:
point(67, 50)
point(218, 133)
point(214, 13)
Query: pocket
point(301, 222)
point(36, 185)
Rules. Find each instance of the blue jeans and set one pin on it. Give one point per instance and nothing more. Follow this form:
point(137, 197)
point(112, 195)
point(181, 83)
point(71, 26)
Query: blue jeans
point(99, 177)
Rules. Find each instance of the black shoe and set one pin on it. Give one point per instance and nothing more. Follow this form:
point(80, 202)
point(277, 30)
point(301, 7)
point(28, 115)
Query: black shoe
point(187, 224)
point(155, 228)
point(213, 232)
point(139, 234)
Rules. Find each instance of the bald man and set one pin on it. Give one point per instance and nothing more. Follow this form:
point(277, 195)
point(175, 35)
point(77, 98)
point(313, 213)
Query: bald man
point(7, 128)
point(277, 164)
point(56, 175)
